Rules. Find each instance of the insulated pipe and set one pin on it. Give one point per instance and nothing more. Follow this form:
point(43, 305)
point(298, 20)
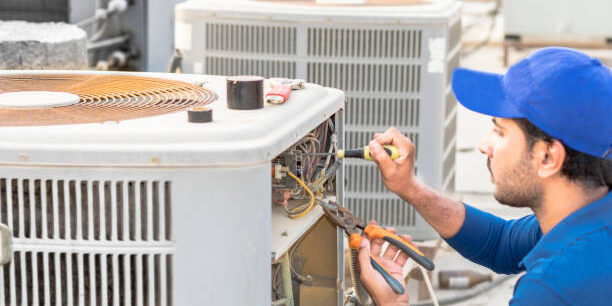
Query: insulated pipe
point(286, 277)
point(107, 42)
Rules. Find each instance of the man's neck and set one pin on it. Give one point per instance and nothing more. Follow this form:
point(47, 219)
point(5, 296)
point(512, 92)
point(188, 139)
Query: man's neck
point(562, 199)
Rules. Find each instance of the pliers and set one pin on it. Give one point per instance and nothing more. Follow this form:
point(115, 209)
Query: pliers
point(345, 219)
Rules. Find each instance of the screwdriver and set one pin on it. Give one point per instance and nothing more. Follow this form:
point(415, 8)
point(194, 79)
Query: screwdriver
point(363, 153)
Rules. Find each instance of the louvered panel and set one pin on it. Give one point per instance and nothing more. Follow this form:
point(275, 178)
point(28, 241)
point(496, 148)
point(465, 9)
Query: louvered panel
point(364, 43)
point(238, 66)
point(379, 78)
point(268, 39)
point(387, 211)
point(83, 242)
point(398, 112)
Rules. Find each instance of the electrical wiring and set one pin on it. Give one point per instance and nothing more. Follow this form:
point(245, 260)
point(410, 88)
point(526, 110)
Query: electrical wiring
point(321, 135)
point(314, 147)
point(333, 147)
point(307, 170)
point(297, 212)
point(432, 293)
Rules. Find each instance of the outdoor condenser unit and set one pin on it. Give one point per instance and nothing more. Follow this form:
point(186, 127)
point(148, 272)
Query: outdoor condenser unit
point(393, 58)
point(113, 198)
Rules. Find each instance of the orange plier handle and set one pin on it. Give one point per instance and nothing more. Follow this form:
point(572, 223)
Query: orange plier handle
point(375, 231)
point(354, 242)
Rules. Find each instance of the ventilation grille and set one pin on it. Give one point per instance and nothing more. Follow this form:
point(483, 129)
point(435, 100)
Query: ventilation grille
point(452, 64)
point(250, 38)
point(448, 165)
point(102, 98)
point(451, 104)
point(382, 112)
point(379, 78)
point(62, 278)
point(390, 212)
point(364, 43)
point(236, 66)
point(450, 131)
point(454, 36)
point(364, 180)
point(87, 242)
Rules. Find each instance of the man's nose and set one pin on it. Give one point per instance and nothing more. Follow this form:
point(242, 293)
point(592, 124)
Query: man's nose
point(485, 148)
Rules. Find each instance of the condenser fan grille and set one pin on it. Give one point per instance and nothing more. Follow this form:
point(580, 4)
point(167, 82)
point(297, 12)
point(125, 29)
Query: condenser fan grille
point(101, 98)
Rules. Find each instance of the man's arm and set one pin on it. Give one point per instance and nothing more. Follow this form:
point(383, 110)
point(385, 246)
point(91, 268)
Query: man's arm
point(494, 242)
point(445, 215)
point(481, 237)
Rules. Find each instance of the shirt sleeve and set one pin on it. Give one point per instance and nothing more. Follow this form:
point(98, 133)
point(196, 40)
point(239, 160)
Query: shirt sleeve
point(535, 292)
point(493, 242)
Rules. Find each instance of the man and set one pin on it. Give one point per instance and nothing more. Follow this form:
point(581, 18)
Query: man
point(550, 150)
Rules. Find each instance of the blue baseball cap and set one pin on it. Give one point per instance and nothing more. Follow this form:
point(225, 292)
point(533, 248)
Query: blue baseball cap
point(564, 92)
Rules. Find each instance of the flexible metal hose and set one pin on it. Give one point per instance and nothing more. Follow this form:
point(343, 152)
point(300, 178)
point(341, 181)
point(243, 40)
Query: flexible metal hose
point(362, 296)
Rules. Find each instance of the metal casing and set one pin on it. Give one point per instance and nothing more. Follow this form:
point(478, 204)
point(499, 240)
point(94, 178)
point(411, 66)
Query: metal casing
point(151, 211)
point(394, 63)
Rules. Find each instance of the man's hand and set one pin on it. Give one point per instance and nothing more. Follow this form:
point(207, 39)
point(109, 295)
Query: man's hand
point(373, 282)
point(397, 175)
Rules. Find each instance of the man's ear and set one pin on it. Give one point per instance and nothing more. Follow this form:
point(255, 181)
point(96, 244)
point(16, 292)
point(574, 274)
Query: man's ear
point(551, 157)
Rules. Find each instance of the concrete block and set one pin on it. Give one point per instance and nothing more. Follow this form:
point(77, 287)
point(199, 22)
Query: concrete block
point(48, 45)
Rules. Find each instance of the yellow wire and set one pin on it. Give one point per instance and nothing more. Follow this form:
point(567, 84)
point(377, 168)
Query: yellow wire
point(312, 198)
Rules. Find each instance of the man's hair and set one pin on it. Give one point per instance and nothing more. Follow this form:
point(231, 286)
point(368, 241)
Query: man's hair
point(584, 169)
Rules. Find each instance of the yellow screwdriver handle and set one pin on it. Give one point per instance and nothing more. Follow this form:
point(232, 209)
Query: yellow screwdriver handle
point(364, 152)
point(392, 151)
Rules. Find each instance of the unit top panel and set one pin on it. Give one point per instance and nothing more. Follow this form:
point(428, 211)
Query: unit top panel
point(235, 137)
point(370, 11)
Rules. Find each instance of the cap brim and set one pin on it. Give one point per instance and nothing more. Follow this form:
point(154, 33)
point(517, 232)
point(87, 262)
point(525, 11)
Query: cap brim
point(483, 92)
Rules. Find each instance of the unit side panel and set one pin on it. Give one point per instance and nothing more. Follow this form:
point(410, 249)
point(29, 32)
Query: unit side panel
point(139, 236)
point(223, 237)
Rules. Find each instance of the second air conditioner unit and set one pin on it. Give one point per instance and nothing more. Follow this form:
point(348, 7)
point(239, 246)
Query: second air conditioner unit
point(394, 60)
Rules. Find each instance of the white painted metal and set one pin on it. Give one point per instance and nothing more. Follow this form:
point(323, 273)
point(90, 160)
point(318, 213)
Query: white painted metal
point(151, 211)
point(36, 99)
point(393, 61)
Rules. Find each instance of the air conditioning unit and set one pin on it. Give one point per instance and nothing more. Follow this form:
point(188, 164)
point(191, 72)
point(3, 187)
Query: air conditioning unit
point(114, 198)
point(393, 58)
point(558, 20)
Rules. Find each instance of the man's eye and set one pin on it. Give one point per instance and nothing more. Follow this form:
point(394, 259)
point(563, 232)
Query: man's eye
point(498, 132)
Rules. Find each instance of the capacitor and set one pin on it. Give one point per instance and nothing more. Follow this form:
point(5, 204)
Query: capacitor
point(245, 92)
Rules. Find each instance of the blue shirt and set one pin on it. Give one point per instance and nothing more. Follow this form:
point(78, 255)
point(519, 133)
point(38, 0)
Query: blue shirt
point(571, 265)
